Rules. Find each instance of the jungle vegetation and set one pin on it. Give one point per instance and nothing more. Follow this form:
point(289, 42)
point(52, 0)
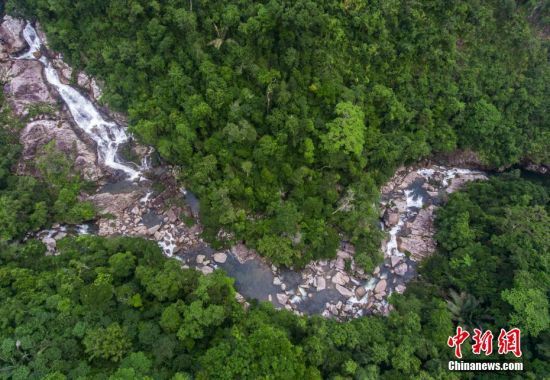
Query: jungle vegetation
point(287, 116)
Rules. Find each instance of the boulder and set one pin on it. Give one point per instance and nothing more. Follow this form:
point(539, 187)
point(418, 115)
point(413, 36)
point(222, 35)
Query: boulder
point(282, 298)
point(391, 218)
point(83, 80)
point(65, 71)
point(220, 257)
point(60, 235)
point(50, 243)
point(10, 35)
point(115, 204)
point(380, 296)
point(340, 278)
point(419, 240)
point(343, 254)
point(153, 230)
point(206, 270)
point(96, 90)
point(409, 179)
point(321, 283)
point(171, 215)
point(395, 260)
point(360, 292)
point(380, 287)
point(344, 291)
point(401, 269)
point(200, 259)
point(400, 205)
point(242, 253)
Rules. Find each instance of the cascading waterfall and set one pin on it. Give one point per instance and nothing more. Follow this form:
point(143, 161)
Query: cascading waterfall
point(108, 135)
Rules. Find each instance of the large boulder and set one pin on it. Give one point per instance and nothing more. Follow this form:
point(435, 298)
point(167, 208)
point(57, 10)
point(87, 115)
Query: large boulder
point(391, 218)
point(220, 257)
point(115, 204)
point(380, 287)
point(11, 41)
point(344, 291)
point(418, 240)
point(340, 278)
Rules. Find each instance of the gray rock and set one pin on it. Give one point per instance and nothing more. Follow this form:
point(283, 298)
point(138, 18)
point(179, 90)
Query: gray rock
point(171, 215)
point(206, 270)
point(400, 288)
point(344, 291)
point(220, 257)
point(321, 283)
point(401, 269)
point(60, 235)
point(360, 292)
point(153, 230)
point(380, 296)
point(38, 133)
point(340, 278)
point(50, 243)
point(395, 260)
point(10, 34)
point(27, 86)
point(391, 218)
point(380, 287)
point(200, 259)
point(282, 298)
point(83, 80)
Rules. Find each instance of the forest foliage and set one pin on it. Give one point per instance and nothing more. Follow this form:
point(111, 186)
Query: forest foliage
point(117, 308)
point(280, 112)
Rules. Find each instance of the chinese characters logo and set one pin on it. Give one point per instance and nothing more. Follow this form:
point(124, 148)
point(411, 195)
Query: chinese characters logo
point(508, 342)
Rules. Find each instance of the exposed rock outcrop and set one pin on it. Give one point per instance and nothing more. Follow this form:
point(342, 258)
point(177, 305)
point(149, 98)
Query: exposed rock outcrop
point(38, 133)
point(10, 37)
point(26, 86)
point(27, 90)
point(419, 232)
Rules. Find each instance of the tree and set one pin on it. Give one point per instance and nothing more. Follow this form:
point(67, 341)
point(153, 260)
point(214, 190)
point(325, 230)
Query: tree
point(107, 343)
point(346, 132)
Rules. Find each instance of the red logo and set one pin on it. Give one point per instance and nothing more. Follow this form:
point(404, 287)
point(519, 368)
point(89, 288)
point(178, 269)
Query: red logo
point(483, 342)
point(508, 341)
point(457, 340)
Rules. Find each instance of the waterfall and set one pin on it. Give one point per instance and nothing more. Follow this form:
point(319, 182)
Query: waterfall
point(108, 135)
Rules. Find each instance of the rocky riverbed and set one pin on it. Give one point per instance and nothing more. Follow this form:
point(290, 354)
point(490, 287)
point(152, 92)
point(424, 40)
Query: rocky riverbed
point(59, 104)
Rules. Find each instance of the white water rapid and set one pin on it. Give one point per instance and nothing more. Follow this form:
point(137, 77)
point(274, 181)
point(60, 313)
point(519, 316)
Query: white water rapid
point(108, 135)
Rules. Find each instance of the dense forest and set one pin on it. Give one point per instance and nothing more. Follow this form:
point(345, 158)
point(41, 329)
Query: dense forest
point(287, 116)
point(117, 308)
